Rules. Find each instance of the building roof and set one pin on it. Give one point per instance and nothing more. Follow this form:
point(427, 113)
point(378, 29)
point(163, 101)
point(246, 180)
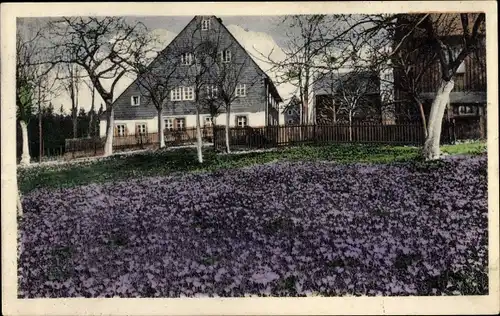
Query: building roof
point(273, 89)
point(334, 81)
point(461, 97)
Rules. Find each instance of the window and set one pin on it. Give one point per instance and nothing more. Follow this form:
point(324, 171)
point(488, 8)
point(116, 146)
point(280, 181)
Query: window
point(459, 82)
point(187, 93)
point(290, 121)
point(241, 121)
point(211, 92)
point(289, 112)
point(225, 56)
point(187, 59)
point(180, 122)
point(205, 24)
point(241, 90)
point(176, 94)
point(169, 124)
point(141, 129)
point(467, 110)
point(208, 121)
point(120, 130)
point(135, 100)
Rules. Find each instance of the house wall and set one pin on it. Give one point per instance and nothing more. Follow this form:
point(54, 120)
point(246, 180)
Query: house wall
point(254, 119)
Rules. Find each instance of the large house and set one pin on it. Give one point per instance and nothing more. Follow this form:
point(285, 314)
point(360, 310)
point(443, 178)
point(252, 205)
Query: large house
point(467, 104)
point(257, 100)
point(358, 94)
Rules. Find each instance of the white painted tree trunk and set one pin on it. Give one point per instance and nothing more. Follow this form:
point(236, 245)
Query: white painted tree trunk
point(19, 204)
point(161, 134)
point(110, 122)
point(431, 147)
point(228, 149)
point(199, 143)
point(25, 156)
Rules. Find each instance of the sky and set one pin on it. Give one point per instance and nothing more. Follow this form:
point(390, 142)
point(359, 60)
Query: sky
point(257, 34)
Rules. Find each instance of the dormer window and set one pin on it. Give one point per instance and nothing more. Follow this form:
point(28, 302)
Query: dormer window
point(187, 59)
point(205, 24)
point(135, 100)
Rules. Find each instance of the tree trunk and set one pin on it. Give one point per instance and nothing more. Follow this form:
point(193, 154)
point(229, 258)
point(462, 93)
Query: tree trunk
point(334, 113)
point(422, 115)
point(228, 150)
point(19, 204)
point(198, 137)
point(75, 123)
point(40, 132)
point(431, 147)
point(91, 116)
point(25, 156)
point(108, 146)
point(161, 132)
point(350, 126)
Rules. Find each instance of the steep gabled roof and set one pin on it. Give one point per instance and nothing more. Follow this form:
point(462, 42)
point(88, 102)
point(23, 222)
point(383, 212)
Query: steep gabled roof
point(273, 87)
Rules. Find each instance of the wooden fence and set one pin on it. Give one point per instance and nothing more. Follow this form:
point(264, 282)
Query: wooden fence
point(87, 147)
point(270, 136)
point(278, 136)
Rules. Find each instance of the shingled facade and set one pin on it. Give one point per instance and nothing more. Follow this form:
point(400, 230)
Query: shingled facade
point(256, 105)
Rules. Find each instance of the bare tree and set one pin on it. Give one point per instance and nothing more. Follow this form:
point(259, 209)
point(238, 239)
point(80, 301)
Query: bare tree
point(104, 47)
point(352, 94)
point(33, 81)
point(451, 37)
point(155, 75)
point(72, 87)
point(307, 35)
point(231, 84)
point(92, 112)
point(197, 59)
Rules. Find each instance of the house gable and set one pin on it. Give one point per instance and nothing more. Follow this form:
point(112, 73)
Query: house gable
point(252, 76)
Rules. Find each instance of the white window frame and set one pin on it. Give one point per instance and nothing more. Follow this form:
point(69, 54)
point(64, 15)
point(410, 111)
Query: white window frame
point(169, 123)
point(188, 93)
point(212, 92)
point(239, 89)
point(122, 132)
point(225, 56)
point(132, 103)
point(205, 24)
point(238, 117)
point(176, 94)
point(290, 121)
point(180, 119)
point(290, 112)
point(186, 59)
point(209, 120)
point(466, 107)
point(140, 127)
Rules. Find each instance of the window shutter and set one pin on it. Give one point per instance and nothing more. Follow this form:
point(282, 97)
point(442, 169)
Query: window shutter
point(126, 130)
point(137, 129)
point(115, 131)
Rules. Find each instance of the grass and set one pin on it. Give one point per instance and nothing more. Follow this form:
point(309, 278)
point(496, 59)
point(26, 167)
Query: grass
point(464, 148)
point(165, 162)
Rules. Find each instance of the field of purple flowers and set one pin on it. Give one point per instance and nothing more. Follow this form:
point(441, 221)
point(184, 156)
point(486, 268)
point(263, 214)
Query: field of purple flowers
point(282, 229)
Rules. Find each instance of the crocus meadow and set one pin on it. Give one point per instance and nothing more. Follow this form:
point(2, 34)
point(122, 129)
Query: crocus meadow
point(280, 229)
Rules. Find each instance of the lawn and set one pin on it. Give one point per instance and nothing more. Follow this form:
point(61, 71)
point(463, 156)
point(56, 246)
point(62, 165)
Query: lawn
point(340, 223)
point(184, 160)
